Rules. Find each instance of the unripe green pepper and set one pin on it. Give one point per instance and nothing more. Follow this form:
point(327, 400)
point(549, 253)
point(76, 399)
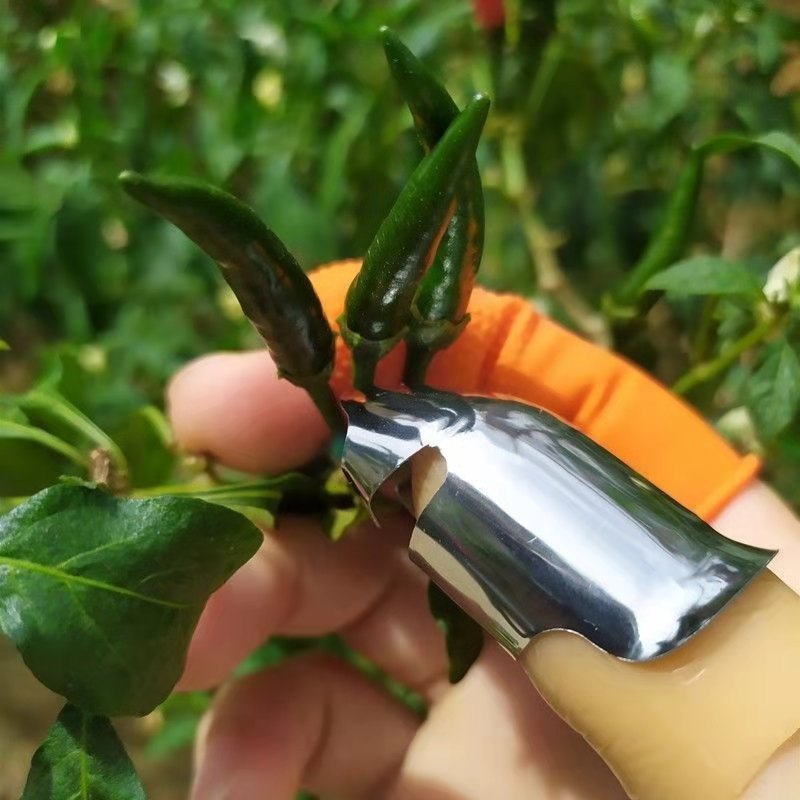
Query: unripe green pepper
point(439, 307)
point(438, 311)
point(273, 291)
point(379, 299)
point(668, 242)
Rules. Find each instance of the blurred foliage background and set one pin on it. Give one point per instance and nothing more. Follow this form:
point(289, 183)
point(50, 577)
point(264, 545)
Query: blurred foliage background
point(289, 105)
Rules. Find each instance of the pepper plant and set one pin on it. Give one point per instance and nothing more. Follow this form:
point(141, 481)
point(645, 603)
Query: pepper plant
point(101, 590)
point(103, 576)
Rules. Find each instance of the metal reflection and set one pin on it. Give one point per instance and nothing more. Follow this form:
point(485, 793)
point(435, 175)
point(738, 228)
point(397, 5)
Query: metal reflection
point(538, 528)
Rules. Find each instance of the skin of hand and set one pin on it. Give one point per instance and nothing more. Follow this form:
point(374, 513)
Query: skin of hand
point(314, 722)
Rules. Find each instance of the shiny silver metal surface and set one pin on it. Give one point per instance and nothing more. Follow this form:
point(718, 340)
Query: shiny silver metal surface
point(536, 527)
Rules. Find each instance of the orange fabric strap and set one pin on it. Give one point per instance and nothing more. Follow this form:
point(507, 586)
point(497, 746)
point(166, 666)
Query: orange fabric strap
point(509, 348)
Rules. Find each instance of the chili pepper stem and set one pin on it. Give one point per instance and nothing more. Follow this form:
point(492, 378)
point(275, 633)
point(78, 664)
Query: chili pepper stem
point(418, 359)
point(365, 362)
point(327, 404)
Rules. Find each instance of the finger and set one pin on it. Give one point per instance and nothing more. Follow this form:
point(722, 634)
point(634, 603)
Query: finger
point(650, 716)
point(399, 634)
point(300, 583)
point(234, 407)
point(492, 735)
point(312, 722)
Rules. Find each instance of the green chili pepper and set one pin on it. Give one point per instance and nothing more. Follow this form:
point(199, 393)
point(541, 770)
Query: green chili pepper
point(440, 304)
point(379, 299)
point(429, 102)
point(272, 289)
point(668, 242)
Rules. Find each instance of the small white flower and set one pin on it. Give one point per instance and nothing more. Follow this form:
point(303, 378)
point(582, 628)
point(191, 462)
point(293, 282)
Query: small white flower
point(737, 426)
point(783, 277)
point(175, 82)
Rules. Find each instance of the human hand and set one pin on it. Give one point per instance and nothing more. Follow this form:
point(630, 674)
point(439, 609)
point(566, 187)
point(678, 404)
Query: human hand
point(316, 723)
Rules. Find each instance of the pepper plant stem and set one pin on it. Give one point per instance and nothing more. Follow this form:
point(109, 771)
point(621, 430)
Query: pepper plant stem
point(552, 281)
point(710, 369)
point(701, 343)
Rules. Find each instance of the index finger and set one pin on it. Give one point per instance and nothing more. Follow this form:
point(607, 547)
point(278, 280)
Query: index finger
point(245, 416)
point(300, 583)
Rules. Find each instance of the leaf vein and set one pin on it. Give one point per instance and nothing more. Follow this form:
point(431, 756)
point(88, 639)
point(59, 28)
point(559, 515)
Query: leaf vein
point(68, 578)
point(100, 633)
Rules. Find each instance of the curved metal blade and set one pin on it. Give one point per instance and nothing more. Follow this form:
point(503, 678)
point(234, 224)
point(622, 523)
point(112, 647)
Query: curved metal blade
point(538, 528)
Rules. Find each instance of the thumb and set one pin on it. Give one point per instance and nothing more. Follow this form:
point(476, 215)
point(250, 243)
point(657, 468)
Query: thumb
point(671, 728)
point(674, 727)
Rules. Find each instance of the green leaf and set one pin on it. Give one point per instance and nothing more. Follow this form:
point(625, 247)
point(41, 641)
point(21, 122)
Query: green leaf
point(31, 458)
point(670, 238)
point(257, 500)
point(178, 733)
point(82, 759)
point(181, 713)
point(55, 408)
point(146, 440)
point(777, 141)
point(463, 636)
point(4, 345)
point(101, 594)
point(271, 653)
point(773, 390)
point(701, 275)
point(339, 521)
